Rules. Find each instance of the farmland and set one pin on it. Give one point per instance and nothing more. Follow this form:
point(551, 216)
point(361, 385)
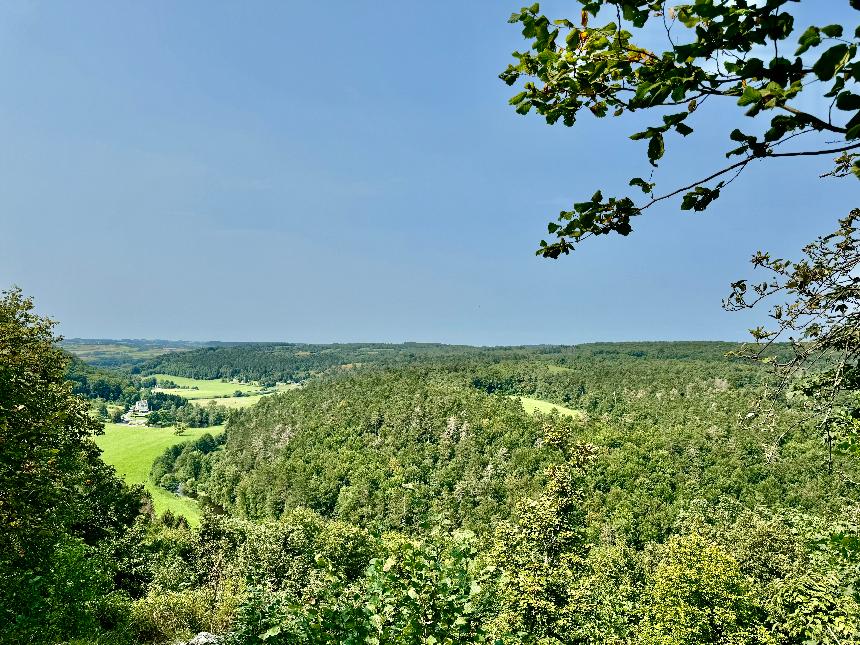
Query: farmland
point(131, 450)
point(203, 392)
point(192, 388)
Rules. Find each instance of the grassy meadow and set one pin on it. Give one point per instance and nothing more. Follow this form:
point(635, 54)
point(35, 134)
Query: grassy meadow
point(215, 390)
point(205, 389)
point(230, 402)
point(544, 407)
point(240, 401)
point(132, 449)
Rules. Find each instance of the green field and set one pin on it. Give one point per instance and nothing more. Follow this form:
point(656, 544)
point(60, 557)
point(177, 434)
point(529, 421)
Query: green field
point(206, 389)
point(544, 407)
point(132, 449)
point(217, 391)
point(231, 402)
point(243, 401)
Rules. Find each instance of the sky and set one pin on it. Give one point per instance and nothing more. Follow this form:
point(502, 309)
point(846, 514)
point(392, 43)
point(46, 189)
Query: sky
point(342, 171)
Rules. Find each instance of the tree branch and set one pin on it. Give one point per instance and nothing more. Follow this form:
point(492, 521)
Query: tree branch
point(814, 120)
point(744, 162)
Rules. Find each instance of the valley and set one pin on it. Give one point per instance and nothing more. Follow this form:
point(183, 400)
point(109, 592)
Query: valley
point(132, 451)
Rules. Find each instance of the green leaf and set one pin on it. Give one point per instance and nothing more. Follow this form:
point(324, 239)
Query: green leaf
point(851, 126)
point(810, 38)
point(684, 129)
point(644, 185)
point(269, 633)
point(737, 135)
point(514, 100)
point(826, 66)
point(656, 148)
point(750, 95)
point(674, 119)
point(524, 107)
point(848, 101)
point(834, 31)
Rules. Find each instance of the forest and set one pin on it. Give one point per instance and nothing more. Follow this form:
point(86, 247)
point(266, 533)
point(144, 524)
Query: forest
point(415, 500)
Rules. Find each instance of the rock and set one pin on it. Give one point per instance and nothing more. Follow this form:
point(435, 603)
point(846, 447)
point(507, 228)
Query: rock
point(205, 638)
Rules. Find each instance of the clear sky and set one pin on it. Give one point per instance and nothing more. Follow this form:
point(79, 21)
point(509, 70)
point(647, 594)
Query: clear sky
point(345, 171)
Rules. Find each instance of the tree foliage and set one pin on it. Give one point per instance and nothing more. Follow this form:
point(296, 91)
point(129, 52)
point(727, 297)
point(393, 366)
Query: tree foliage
point(820, 317)
point(716, 53)
point(58, 500)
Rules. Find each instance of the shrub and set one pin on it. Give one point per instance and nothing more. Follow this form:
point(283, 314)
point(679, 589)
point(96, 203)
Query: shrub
point(63, 598)
point(164, 615)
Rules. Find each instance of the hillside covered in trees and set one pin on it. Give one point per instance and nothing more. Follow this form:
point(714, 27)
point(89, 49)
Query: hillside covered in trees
point(435, 464)
point(413, 499)
point(273, 362)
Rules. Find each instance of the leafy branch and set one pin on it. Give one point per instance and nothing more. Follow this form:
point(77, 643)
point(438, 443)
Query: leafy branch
point(570, 67)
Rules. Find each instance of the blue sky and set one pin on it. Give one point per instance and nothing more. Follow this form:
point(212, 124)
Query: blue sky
point(345, 171)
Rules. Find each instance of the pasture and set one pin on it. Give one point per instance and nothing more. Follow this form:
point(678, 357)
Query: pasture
point(243, 401)
point(232, 401)
point(545, 407)
point(205, 389)
point(132, 449)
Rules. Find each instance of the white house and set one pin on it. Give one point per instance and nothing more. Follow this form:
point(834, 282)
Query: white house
point(141, 407)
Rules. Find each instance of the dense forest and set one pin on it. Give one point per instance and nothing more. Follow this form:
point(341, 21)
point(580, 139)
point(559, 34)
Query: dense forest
point(386, 448)
point(285, 362)
point(97, 383)
point(664, 513)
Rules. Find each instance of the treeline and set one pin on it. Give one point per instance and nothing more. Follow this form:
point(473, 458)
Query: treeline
point(280, 362)
point(94, 383)
point(269, 363)
point(171, 409)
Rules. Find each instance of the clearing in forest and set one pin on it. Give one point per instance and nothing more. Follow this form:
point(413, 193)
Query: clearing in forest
point(545, 407)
